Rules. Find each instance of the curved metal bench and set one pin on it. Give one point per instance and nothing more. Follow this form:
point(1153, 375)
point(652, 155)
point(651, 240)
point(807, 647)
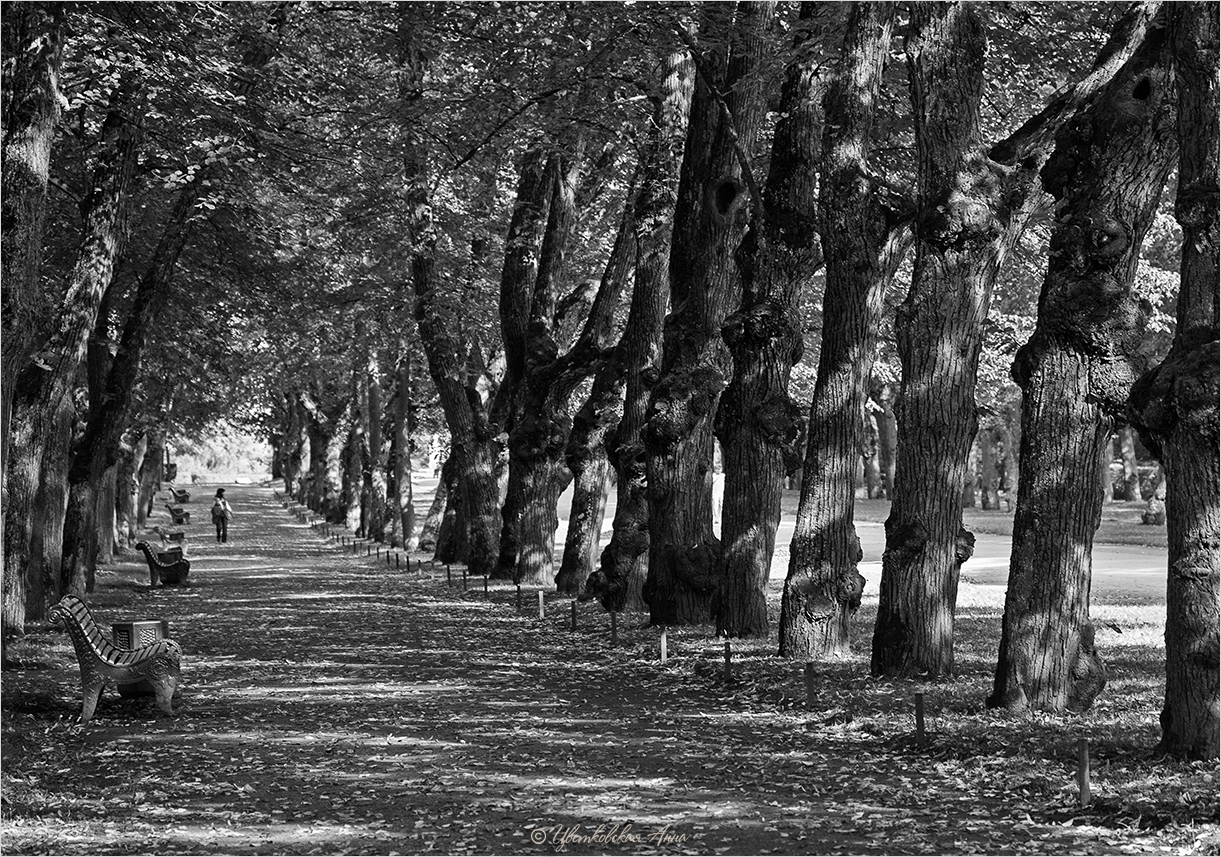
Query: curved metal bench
point(171, 569)
point(178, 514)
point(179, 495)
point(102, 663)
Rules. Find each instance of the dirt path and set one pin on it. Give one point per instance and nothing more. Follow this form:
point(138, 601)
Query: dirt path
point(334, 706)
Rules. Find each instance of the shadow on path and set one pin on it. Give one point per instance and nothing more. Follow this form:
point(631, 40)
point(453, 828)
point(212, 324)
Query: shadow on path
point(332, 705)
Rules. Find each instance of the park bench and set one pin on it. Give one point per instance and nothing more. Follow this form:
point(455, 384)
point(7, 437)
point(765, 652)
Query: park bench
point(171, 567)
point(179, 495)
point(102, 663)
point(167, 536)
point(178, 514)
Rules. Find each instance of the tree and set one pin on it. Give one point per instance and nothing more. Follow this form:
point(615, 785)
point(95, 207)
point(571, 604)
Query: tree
point(726, 113)
point(43, 384)
point(33, 43)
point(1175, 405)
point(619, 581)
point(1106, 175)
point(823, 587)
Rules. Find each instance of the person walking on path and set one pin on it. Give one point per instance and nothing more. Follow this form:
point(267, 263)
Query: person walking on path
point(222, 514)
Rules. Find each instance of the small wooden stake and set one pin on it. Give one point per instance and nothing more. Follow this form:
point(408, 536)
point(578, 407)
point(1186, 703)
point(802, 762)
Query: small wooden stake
point(728, 667)
point(1083, 770)
point(449, 577)
point(485, 584)
point(614, 628)
point(542, 609)
point(574, 614)
point(919, 718)
point(396, 561)
point(464, 572)
point(663, 645)
point(810, 685)
point(518, 603)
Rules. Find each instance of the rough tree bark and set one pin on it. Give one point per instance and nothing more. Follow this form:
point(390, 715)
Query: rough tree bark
point(404, 498)
point(454, 362)
point(823, 587)
point(709, 222)
point(538, 424)
point(1131, 471)
point(585, 452)
point(96, 451)
point(759, 427)
point(43, 383)
point(619, 580)
point(1176, 406)
point(1106, 175)
point(32, 47)
point(149, 473)
point(972, 206)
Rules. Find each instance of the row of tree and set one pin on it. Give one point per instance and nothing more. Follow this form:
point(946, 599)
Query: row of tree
point(586, 239)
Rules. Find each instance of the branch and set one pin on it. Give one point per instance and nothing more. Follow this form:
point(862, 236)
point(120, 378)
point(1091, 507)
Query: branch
point(1038, 132)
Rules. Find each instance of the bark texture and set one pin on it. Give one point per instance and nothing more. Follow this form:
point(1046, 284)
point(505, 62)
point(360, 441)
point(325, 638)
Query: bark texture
point(32, 38)
point(823, 587)
point(618, 582)
point(43, 383)
point(464, 386)
point(1176, 406)
point(1106, 175)
point(972, 205)
point(709, 221)
point(585, 453)
point(97, 450)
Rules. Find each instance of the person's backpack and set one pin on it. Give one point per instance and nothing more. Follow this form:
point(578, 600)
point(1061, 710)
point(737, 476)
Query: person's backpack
point(218, 512)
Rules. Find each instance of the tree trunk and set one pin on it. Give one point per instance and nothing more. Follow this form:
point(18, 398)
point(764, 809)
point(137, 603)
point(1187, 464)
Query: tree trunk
point(989, 495)
point(150, 470)
point(585, 452)
point(125, 506)
point(970, 482)
point(351, 470)
point(47, 545)
point(1131, 471)
point(760, 428)
point(450, 537)
point(1106, 175)
point(539, 425)
point(32, 47)
point(869, 454)
point(107, 506)
point(464, 385)
point(939, 333)
point(888, 440)
point(430, 529)
point(404, 500)
point(1176, 407)
point(823, 587)
point(41, 386)
point(619, 580)
point(96, 452)
point(709, 221)
point(292, 445)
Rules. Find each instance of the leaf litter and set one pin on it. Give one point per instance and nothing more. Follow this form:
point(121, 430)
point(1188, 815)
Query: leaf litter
point(344, 708)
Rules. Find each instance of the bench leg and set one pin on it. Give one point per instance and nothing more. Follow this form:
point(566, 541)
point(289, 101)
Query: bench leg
point(90, 691)
point(164, 687)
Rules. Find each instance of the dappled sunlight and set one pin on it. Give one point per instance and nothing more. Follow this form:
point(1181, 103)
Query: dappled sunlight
point(332, 706)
